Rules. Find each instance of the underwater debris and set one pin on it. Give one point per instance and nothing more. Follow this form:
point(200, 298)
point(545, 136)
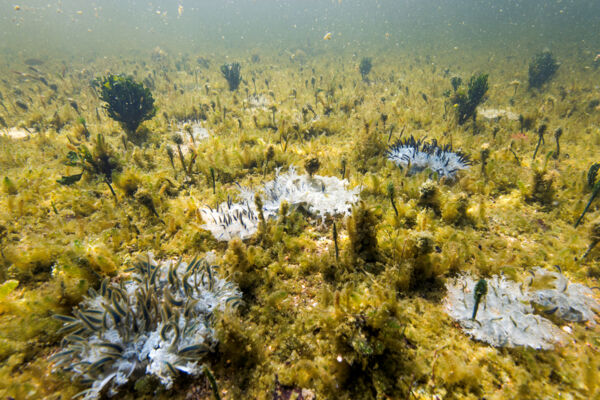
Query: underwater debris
point(157, 323)
point(542, 68)
point(127, 102)
point(419, 155)
point(320, 195)
point(507, 316)
point(231, 72)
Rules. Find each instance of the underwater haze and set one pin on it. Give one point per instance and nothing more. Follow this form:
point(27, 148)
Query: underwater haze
point(308, 199)
point(114, 27)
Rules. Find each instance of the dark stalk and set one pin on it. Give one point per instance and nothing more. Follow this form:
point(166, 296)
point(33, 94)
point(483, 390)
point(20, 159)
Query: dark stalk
point(170, 154)
point(521, 122)
point(179, 141)
point(485, 154)
point(111, 188)
point(589, 249)
point(540, 132)
point(192, 161)
point(391, 194)
point(213, 383)
point(212, 176)
point(391, 132)
point(587, 206)
point(594, 238)
point(594, 184)
point(181, 158)
point(514, 154)
point(557, 134)
point(273, 110)
point(335, 242)
point(262, 224)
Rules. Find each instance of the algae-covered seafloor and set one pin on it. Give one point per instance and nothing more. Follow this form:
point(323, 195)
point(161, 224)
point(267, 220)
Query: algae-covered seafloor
point(302, 224)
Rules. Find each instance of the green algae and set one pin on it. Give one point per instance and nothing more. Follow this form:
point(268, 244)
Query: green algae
point(355, 317)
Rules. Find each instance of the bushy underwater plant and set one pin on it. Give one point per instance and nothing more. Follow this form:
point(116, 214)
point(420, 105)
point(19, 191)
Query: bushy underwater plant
point(466, 102)
point(542, 68)
point(128, 102)
point(365, 66)
point(159, 322)
point(232, 73)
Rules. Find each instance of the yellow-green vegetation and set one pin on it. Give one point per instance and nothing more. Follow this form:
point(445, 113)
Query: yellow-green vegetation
point(351, 312)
